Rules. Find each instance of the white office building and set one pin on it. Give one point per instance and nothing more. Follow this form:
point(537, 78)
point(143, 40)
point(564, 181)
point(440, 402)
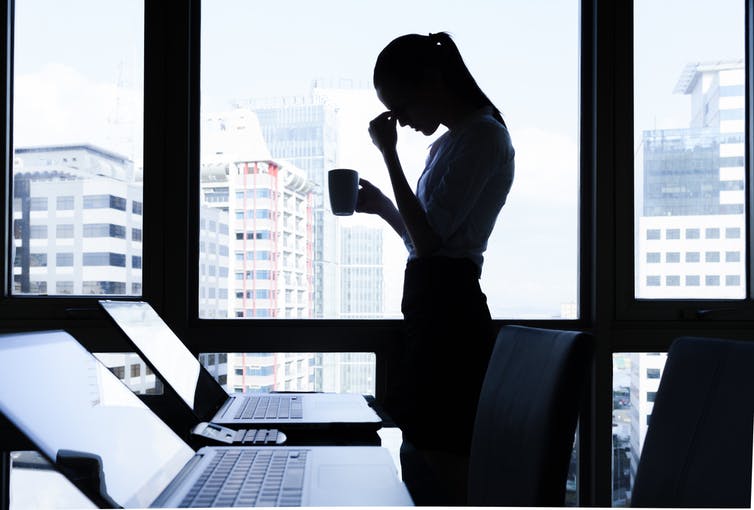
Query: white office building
point(690, 234)
point(77, 221)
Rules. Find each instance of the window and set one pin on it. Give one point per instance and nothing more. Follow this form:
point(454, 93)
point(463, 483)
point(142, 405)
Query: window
point(304, 123)
point(732, 256)
point(135, 370)
point(653, 257)
point(65, 203)
point(672, 257)
point(64, 259)
point(689, 136)
point(692, 280)
point(38, 203)
point(64, 231)
point(692, 256)
point(104, 259)
point(77, 129)
point(653, 373)
point(63, 287)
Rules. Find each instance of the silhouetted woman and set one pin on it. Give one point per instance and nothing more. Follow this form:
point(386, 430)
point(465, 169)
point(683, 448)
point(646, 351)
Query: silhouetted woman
point(423, 82)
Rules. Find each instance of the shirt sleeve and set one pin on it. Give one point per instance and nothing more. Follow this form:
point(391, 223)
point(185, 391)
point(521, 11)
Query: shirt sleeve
point(482, 152)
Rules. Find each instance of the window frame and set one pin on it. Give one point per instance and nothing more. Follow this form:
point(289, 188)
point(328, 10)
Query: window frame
point(679, 311)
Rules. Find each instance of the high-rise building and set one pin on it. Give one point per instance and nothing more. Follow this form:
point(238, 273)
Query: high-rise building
point(269, 204)
point(361, 273)
point(256, 242)
point(302, 130)
point(77, 222)
point(646, 371)
point(690, 230)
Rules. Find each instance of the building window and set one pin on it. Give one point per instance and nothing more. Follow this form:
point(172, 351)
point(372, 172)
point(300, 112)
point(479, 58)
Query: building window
point(651, 395)
point(692, 233)
point(120, 372)
point(38, 260)
point(104, 259)
point(672, 257)
point(673, 233)
point(64, 259)
point(65, 203)
point(672, 280)
point(136, 207)
point(653, 373)
point(712, 256)
point(653, 234)
point(135, 370)
point(733, 233)
point(64, 231)
point(692, 280)
point(104, 287)
point(692, 256)
point(64, 287)
point(712, 280)
point(653, 281)
point(732, 280)
point(136, 262)
point(653, 257)
point(38, 232)
point(38, 203)
point(712, 233)
point(136, 234)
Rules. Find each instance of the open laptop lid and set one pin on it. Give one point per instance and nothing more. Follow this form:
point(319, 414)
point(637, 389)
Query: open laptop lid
point(168, 356)
point(64, 400)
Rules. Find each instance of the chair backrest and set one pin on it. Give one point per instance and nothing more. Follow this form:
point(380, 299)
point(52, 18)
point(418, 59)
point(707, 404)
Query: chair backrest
point(698, 446)
point(526, 418)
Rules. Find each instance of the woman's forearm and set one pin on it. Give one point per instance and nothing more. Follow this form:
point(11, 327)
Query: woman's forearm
point(412, 214)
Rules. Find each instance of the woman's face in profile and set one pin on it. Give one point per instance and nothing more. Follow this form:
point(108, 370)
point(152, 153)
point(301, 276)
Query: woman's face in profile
point(412, 106)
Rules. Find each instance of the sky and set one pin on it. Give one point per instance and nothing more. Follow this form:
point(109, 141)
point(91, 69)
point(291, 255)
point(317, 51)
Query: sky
point(79, 81)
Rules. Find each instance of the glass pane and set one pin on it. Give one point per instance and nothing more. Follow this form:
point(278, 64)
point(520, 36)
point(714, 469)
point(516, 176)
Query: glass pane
point(636, 377)
point(77, 147)
point(336, 372)
point(130, 368)
point(689, 149)
point(281, 108)
point(29, 472)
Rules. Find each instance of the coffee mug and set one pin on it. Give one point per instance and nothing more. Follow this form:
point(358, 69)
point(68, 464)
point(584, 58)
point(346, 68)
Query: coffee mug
point(343, 184)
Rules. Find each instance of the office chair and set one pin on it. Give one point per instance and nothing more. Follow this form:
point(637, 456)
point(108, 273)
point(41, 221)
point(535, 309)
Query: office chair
point(698, 447)
point(526, 418)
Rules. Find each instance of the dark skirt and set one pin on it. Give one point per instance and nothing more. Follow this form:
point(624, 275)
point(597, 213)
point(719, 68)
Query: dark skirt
point(434, 389)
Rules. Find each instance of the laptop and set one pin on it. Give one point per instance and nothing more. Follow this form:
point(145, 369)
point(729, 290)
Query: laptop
point(101, 436)
point(209, 402)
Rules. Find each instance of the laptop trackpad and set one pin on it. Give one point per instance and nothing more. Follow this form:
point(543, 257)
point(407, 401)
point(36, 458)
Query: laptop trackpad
point(337, 477)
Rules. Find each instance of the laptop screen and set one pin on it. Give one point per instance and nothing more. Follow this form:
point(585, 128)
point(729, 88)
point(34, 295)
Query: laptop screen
point(167, 355)
point(62, 398)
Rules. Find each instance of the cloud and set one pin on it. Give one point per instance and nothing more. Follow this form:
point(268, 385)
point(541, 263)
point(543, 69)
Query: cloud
point(58, 105)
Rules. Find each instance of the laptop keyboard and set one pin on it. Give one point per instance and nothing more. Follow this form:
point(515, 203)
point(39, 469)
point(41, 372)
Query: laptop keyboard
point(240, 477)
point(273, 407)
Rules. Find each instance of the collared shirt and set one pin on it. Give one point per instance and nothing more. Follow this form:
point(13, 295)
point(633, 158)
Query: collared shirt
point(468, 174)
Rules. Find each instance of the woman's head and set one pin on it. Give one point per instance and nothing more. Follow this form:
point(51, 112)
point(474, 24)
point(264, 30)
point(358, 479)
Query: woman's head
point(416, 74)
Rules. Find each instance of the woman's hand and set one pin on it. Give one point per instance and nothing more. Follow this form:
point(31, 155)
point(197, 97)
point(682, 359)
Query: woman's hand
point(370, 200)
point(382, 129)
